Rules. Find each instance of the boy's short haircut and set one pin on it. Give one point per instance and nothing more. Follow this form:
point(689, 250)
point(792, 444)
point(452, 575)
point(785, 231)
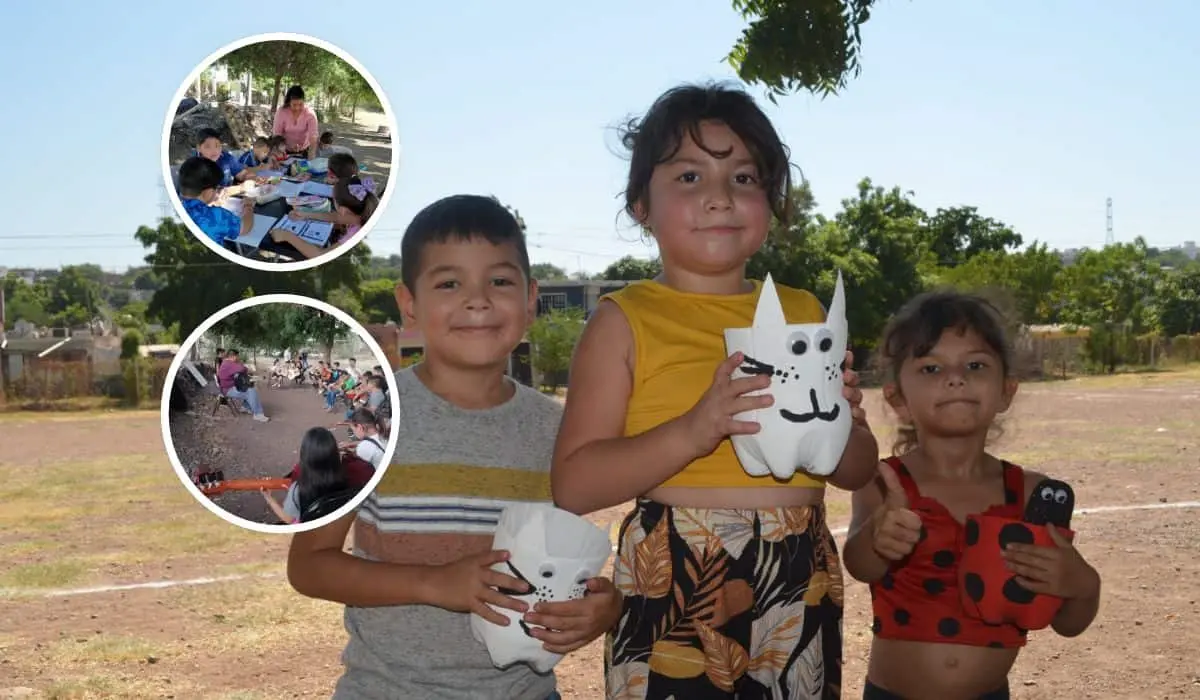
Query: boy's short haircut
point(327, 137)
point(197, 174)
point(460, 217)
point(206, 134)
point(364, 417)
point(276, 141)
point(378, 382)
point(261, 141)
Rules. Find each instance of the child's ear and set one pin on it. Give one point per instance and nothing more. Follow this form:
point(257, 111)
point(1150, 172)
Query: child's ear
point(1009, 392)
point(895, 398)
point(404, 301)
point(531, 304)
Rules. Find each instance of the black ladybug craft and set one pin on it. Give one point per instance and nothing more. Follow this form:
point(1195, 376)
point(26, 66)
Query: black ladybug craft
point(1051, 503)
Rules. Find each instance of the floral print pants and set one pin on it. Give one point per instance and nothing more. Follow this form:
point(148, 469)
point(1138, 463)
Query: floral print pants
point(726, 604)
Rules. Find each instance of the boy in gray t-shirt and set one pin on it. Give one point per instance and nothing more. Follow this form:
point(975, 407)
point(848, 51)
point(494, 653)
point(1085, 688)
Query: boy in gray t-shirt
point(470, 441)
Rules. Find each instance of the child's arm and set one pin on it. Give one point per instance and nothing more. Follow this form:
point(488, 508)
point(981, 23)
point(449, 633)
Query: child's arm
point(276, 508)
point(595, 466)
point(247, 216)
point(882, 528)
point(319, 568)
point(1059, 570)
point(856, 468)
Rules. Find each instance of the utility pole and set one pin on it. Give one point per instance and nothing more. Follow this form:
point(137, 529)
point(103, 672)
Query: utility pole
point(1108, 231)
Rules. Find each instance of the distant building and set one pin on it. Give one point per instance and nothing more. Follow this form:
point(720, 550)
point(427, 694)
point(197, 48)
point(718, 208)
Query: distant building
point(577, 294)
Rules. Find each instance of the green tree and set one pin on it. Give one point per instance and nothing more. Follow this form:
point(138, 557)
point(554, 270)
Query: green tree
point(631, 269)
point(552, 338)
point(378, 301)
point(1027, 277)
point(1113, 285)
point(1179, 300)
point(278, 60)
point(958, 234)
point(197, 282)
point(546, 272)
point(793, 45)
point(24, 302)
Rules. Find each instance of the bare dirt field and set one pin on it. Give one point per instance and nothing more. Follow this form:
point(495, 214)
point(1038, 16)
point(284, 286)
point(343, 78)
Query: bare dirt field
point(244, 448)
point(107, 510)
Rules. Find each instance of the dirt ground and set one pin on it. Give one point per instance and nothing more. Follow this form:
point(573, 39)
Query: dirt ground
point(245, 448)
point(1126, 441)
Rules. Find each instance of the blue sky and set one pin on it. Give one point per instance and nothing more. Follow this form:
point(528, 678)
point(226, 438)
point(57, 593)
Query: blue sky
point(1035, 115)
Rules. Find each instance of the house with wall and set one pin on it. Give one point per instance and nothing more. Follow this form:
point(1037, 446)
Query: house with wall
point(403, 345)
point(579, 294)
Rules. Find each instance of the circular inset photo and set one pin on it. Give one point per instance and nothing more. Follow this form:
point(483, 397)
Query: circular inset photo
point(278, 150)
point(277, 413)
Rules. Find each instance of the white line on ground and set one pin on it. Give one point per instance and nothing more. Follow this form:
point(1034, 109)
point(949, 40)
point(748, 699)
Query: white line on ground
point(239, 577)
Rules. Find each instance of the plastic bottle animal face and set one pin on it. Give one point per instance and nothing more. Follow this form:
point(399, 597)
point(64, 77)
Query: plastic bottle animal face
point(809, 423)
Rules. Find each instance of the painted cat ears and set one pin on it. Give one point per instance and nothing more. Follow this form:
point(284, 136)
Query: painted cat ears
point(769, 312)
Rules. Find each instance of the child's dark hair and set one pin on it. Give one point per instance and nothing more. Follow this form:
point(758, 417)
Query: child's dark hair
point(321, 471)
point(365, 418)
point(459, 217)
point(346, 192)
point(343, 165)
point(914, 330)
point(206, 134)
point(326, 137)
point(276, 141)
point(262, 141)
point(377, 380)
point(657, 136)
point(197, 174)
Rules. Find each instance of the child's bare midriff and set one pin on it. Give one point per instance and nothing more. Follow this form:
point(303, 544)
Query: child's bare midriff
point(923, 671)
point(737, 498)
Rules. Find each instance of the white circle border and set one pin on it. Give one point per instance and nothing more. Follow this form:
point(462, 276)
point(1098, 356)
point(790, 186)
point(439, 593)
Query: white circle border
point(177, 364)
point(262, 265)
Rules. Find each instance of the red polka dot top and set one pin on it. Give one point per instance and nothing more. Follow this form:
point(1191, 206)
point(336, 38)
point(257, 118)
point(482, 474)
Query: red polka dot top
point(918, 599)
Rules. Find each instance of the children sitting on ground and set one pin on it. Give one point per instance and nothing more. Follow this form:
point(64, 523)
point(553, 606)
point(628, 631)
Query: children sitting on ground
point(470, 435)
point(199, 179)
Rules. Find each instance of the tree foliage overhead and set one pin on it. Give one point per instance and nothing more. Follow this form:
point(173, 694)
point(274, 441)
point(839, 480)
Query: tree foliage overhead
point(196, 282)
point(794, 45)
point(279, 326)
point(286, 63)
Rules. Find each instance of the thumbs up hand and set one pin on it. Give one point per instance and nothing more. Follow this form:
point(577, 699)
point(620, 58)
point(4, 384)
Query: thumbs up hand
point(895, 528)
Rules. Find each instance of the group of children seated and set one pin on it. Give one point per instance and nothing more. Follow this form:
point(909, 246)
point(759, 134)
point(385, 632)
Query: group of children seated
point(329, 473)
point(213, 175)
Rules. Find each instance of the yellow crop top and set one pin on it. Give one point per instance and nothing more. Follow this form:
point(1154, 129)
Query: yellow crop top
point(679, 339)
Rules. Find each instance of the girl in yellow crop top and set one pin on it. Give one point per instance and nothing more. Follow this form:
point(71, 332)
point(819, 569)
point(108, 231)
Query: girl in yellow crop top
point(731, 583)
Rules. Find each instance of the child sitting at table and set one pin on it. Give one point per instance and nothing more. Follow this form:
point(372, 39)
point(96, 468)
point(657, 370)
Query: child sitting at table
point(326, 149)
point(233, 174)
point(199, 179)
point(276, 152)
point(354, 202)
point(256, 156)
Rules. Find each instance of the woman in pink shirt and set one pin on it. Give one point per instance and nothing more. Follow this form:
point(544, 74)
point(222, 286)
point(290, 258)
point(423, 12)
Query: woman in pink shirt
point(297, 124)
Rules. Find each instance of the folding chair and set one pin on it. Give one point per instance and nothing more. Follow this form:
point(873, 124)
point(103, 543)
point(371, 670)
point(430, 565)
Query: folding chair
point(220, 400)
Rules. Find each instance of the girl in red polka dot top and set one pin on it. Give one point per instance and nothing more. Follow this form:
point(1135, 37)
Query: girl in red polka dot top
point(948, 375)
